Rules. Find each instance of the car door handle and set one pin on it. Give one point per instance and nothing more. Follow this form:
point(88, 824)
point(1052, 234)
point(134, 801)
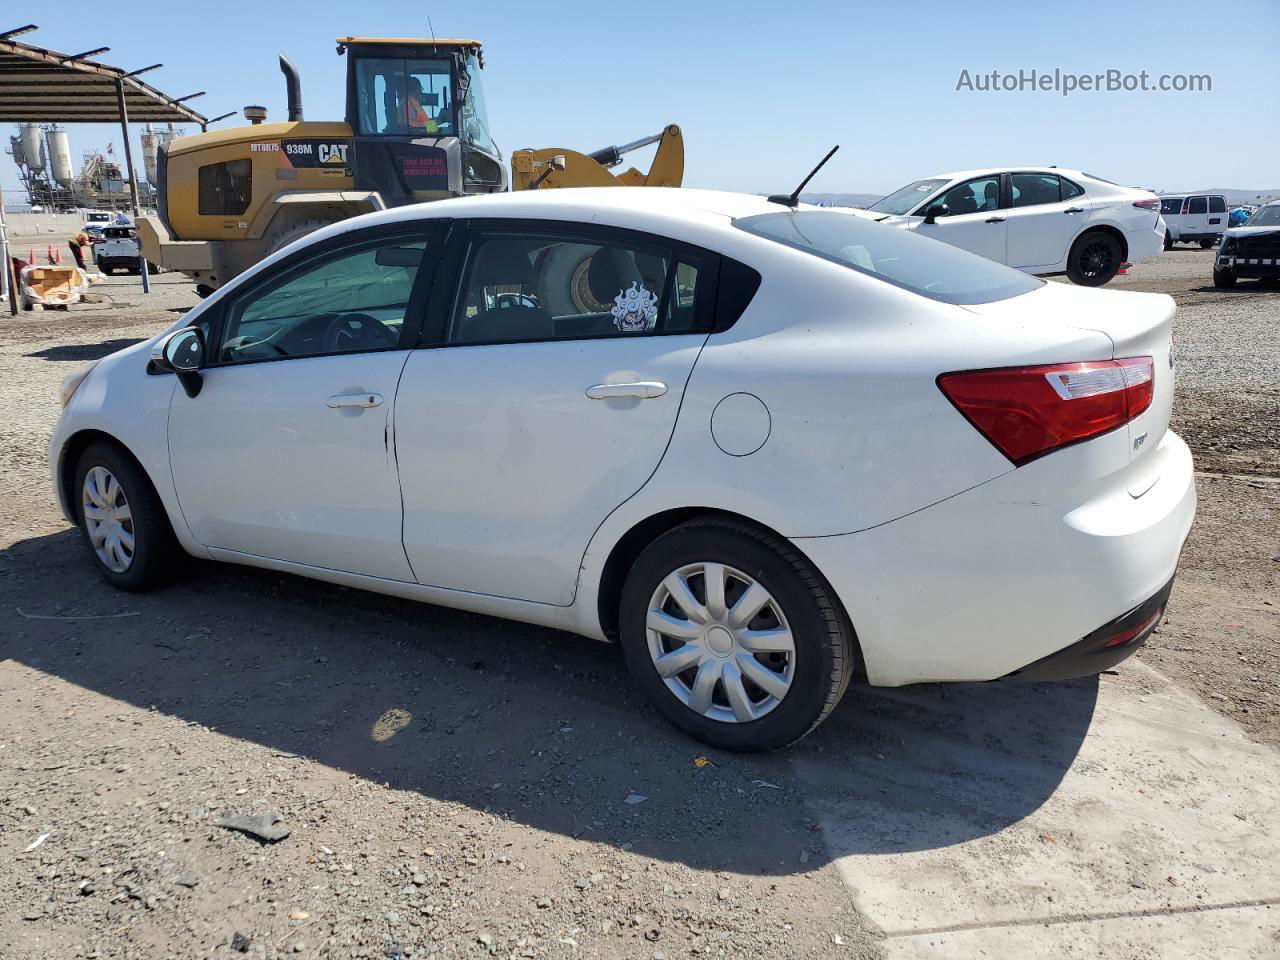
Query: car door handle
point(1074, 210)
point(994, 220)
point(346, 401)
point(641, 389)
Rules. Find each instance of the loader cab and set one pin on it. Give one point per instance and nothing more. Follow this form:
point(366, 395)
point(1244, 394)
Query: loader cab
point(417, 112)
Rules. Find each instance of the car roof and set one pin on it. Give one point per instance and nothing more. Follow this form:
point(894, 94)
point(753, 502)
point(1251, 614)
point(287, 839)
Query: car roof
point(581, 203)
point(1012, 168)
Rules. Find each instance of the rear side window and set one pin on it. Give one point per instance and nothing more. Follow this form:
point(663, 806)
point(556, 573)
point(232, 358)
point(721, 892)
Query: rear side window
point(935, 270)
point(1217, 205)
point(1070, 190)
point(1030, 189)
point(225, 188)
point(523, 287)
point(1171, 206)
point(1199, 205)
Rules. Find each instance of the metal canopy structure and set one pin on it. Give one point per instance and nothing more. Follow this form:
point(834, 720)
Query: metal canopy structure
point(44, 86)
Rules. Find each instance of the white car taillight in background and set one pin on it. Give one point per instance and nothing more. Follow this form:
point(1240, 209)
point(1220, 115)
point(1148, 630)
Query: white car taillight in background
point(1027, 412)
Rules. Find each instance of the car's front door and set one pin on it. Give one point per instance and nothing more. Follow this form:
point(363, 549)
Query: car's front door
point(1045, 214)
point(287, 451)
point(548, 399)
point(976, 220)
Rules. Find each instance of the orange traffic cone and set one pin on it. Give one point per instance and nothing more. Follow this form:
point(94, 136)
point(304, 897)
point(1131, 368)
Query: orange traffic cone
point(1124, 269)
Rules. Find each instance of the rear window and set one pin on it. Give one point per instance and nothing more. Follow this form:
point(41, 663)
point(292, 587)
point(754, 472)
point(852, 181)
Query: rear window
point(928, 267)
point(1170, 205)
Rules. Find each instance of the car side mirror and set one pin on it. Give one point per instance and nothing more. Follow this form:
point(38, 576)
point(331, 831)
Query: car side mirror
point(183, 353)
point(935, 211)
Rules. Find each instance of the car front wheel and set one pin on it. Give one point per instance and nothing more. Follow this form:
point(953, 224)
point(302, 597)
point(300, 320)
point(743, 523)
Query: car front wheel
point(123, 522)
point(1094, 259)
point(1223, 278)
point(733, 636)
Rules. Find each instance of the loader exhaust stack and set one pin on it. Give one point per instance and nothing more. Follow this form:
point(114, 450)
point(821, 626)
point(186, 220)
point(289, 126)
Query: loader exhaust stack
point(293, 87)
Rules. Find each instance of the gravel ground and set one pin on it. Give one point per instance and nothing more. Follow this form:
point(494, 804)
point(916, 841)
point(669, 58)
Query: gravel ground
point(455, 785)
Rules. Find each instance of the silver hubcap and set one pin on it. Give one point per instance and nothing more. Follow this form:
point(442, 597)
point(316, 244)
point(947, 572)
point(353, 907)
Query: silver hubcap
point(108, 519)
point(720, 642)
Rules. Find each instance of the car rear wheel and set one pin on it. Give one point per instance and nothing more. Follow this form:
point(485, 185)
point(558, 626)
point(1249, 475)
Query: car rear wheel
point(1094, 259)
point(733, 636)
point(1206, 244)
point(123, 521)
point(1223, 278)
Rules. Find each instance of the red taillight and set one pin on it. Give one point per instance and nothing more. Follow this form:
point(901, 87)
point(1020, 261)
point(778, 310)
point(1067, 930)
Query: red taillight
point(1136, 631)
point(1152, 204)
point(1027, 412)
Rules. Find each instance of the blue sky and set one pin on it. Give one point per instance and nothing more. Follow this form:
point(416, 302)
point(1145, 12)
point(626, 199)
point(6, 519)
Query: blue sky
point(762, 89)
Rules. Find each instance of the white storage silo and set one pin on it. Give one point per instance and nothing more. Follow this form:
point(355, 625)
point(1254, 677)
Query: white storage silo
point(29, 137)
point(60, 156)
point(150, 146)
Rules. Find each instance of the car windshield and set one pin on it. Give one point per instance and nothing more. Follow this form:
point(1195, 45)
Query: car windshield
point(928, 267)
point(405, 96)
point(903, 201)
point(1265, 217)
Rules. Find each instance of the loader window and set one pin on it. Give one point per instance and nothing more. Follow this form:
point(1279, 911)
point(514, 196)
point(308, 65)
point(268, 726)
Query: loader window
point(405, 97)
point(225, 188)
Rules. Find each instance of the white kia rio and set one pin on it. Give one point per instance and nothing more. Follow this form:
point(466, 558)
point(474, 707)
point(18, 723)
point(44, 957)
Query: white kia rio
point(1039, 219)
point(767, 450)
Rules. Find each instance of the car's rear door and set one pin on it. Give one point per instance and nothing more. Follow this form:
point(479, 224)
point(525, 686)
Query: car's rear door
point(1045, 214)
point(287, 452)
point(1217, 221)
point(546, 398)
point(1195, 222)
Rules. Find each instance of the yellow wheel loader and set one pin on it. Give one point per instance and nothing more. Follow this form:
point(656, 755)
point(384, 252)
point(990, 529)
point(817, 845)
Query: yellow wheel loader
point(415, 130)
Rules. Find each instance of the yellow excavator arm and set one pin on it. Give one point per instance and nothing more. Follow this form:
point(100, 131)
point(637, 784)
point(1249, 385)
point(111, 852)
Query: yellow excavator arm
point(555, 167)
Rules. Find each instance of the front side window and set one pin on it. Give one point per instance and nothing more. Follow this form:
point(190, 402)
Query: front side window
point(404, 96)
point(972, 196)
point(905, 259)
point(521, 287)
point(475, 117)
point(1199, 205)
point(225, 188)
point(343, 301)
point(902, 202)
point(1171, 206)
point(1030, 189)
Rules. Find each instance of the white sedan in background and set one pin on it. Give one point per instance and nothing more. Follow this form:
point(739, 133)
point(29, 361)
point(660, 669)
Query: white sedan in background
point(789, 448)
point(1039, 219)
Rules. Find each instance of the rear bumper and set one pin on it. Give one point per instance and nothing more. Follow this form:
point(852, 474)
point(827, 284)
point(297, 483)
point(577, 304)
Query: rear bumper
point(1015, 570)
point(1104, 648)
point(1144, 243)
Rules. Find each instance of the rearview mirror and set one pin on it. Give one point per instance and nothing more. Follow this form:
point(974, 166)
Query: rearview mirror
point(183, 353)
point(935, 211)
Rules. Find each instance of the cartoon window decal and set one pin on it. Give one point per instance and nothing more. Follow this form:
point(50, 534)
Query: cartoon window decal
point(635, 310)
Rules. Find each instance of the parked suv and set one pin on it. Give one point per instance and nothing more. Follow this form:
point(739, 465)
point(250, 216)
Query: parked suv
point(1251, 251)
point(1195, 218)
point(118, 249)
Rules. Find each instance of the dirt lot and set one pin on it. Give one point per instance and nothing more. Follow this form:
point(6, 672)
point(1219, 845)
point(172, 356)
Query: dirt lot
point(459, 786)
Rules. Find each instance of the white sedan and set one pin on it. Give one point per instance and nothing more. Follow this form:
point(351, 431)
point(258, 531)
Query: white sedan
point(1039, 219)
point(767, 449)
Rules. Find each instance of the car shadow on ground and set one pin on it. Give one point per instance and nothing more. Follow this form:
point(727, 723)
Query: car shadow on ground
point(541, 727)
point(84, 351)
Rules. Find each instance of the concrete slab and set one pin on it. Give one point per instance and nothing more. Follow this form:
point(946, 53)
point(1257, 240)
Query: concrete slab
point(1243, 933)
point(1120, 805)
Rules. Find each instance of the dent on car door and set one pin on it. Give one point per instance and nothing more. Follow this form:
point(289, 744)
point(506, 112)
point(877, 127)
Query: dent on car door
point(547, 400)
point(286, 452)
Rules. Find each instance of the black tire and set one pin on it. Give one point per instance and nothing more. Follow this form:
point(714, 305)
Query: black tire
point(1206, 244)
point(1223, 278)
point(823, 640)
point(157, 555)
point(203, 290)
point(1168, 240)
point(1094, 259)
point(281, 237)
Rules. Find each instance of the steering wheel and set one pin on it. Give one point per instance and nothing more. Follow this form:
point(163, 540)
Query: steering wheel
point(356, 331)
